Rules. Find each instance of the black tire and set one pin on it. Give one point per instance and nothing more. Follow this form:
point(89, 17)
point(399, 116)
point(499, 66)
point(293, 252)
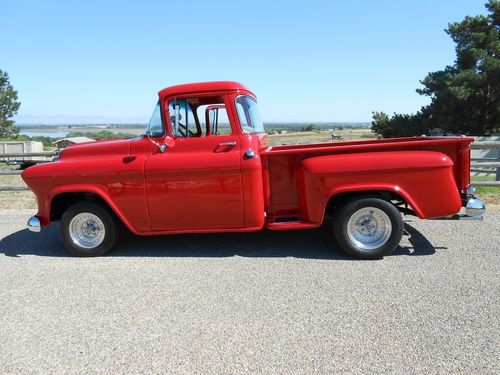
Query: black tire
point(391, 237)
point(111, 232)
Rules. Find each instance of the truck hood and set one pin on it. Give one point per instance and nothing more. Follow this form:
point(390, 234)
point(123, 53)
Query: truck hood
point(97, 148)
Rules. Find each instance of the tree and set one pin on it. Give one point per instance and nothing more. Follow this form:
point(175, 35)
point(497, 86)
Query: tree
point(8, 107)
point(465, 97)
point(380, 124)
point(310, 128)
point(401, 125)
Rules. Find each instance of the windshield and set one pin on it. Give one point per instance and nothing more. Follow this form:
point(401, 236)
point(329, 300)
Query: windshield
point(248, 114)
point(155, 127)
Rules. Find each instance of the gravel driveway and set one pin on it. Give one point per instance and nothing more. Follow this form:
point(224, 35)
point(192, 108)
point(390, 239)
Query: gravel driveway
point(258, 303)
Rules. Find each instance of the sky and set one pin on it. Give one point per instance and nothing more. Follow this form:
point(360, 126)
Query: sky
point(307, 61)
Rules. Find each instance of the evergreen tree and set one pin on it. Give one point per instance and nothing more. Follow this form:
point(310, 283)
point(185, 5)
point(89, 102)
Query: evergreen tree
point(465, 97)
point(8, 107)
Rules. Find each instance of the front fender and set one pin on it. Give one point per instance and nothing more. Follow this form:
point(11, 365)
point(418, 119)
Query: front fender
point(423, 178)
point(44, 206)
point(116, 179)
point(100, 191)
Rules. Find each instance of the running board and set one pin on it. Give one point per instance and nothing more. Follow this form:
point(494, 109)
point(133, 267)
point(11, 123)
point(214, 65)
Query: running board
point(291, 225)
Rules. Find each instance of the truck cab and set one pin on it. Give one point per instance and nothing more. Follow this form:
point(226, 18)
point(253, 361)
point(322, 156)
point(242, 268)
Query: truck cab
point(204, 164)
point(209, 175)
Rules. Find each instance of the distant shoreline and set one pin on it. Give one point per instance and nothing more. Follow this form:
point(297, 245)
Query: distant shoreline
point(62, 131)
point(143, 125)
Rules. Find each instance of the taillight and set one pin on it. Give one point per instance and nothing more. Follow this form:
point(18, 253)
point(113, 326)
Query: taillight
point(465, 177)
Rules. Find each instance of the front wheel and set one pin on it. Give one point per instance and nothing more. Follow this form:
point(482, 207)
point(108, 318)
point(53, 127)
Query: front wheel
point(368, 228)
point(88, 229)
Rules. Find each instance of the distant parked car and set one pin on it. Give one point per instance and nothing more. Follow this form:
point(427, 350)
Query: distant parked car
point(337, 136)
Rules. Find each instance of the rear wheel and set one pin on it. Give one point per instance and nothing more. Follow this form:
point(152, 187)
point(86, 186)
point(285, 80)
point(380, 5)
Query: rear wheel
point(368, 228)
point(88, 229)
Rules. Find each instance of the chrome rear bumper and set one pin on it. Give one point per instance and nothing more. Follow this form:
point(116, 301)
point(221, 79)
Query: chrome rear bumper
point(34, 224)
point(475, 207)
point(474, 210)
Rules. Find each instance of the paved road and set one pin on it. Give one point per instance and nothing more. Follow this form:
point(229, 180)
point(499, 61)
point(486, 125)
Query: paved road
point(262, 303)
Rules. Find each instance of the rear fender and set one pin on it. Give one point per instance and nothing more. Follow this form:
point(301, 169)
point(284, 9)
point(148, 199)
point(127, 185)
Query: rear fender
point(424, 179)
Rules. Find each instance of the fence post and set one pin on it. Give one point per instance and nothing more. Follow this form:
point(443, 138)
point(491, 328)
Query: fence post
point(497, 177)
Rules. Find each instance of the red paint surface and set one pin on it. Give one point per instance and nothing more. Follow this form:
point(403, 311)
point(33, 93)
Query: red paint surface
point(199, 185)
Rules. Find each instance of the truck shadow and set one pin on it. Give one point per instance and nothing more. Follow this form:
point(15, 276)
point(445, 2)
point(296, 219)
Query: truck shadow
point(308, 244)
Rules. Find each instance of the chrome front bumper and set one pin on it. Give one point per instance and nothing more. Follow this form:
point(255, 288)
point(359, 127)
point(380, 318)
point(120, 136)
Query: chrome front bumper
point(34, 224)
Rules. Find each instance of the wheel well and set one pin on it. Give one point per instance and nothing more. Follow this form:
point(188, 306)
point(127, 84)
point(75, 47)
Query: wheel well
point(60, 203)
point(340, 199)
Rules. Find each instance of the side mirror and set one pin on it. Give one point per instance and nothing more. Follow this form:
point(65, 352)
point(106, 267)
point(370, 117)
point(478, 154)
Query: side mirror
point(167, 142)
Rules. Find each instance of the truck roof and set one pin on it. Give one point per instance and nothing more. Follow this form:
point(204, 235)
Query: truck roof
point(202, 87)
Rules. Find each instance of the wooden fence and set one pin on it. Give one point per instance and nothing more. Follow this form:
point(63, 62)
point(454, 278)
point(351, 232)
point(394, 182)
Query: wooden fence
point(477, 165)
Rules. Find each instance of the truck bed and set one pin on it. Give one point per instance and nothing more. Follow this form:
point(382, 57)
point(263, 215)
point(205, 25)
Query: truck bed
point(363, 146)
point(280, 165)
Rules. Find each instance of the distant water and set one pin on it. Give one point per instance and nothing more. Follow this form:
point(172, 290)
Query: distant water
point(56, 134)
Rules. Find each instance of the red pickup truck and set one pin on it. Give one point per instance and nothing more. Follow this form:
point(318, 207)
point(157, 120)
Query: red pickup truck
point(204, 165)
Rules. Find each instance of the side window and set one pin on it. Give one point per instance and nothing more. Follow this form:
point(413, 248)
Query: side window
point(182, 119)
point(198, 117)
point(214, 119)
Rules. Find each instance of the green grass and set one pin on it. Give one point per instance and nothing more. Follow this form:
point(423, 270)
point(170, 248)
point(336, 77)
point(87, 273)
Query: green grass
point(481, 190)
point(490, 177)
point(487, 190)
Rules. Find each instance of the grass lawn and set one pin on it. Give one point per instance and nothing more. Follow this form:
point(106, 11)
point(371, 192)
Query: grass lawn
point(489, 194)
point(486, 190)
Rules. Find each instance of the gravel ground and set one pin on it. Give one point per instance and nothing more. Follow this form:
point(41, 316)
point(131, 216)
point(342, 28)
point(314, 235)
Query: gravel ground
point(260, 303)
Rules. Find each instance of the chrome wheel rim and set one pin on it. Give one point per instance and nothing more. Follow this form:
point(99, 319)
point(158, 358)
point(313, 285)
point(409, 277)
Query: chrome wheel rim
point(87, 230)
point(369, 228)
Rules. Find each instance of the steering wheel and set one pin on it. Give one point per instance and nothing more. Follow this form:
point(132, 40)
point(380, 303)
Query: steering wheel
point(183, 132)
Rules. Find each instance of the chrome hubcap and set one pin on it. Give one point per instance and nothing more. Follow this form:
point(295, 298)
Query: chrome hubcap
point(369, 228)
point(87, 230)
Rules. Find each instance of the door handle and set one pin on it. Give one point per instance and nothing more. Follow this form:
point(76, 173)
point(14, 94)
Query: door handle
point(227, 144)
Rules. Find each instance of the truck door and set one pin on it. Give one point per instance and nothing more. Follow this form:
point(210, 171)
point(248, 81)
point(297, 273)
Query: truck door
point(196, 183)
